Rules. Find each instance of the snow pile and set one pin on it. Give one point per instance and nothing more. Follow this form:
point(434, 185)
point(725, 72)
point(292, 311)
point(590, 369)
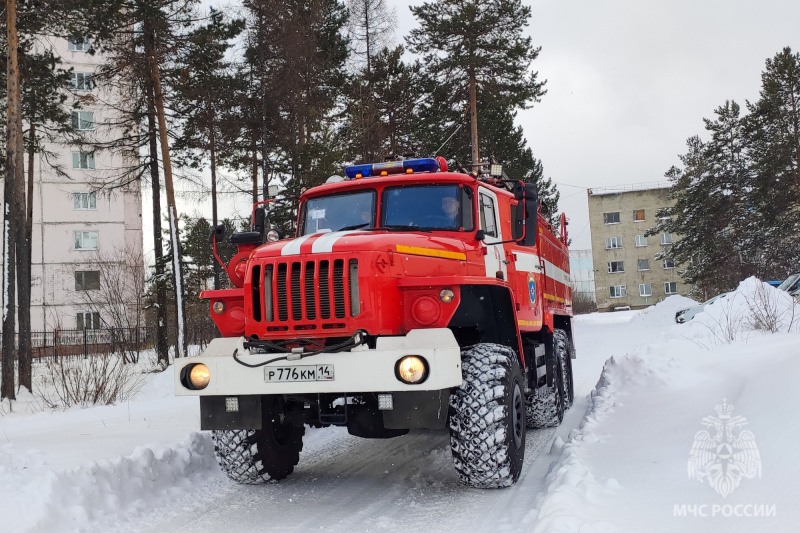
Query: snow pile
point(625, 467)
point(73, 498)
point(754, 307)
point(663, 312)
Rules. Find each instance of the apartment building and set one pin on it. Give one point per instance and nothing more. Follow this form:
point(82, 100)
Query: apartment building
point(77, 225)
point(581, 273)
point(631, 269)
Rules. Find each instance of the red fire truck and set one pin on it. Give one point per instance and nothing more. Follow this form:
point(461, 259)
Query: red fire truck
point(410, 297)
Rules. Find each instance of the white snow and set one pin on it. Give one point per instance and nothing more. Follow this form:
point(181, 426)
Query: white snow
point(618, 462)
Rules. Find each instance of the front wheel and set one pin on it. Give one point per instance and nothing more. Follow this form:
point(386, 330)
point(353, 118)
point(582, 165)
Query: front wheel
point(487, 418)
point(255, 456)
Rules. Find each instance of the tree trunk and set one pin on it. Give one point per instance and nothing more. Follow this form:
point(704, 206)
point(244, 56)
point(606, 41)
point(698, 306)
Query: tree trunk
point(24, 277)
point(162, 344)
point(212, 145)
point(171, 207)
point(473, 119)
point(11, 193)
point(254, 147)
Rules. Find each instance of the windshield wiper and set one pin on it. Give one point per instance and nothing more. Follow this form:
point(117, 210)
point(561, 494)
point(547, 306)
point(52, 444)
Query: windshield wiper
point(400, 228)
point(354, 226)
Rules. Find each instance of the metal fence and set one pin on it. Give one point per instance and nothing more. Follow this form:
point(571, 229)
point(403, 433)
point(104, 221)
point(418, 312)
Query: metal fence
point(126, 341)
point(85, 342)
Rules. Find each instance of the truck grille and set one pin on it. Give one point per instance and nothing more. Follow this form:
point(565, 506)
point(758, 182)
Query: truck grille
point(306, 294)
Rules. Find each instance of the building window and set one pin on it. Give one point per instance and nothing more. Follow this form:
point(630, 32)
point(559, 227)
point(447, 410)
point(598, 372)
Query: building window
point(638, 215)
point(613, 242)
point(616, 291)
point(666, 238)
point(83, 160)
point(78, 44)
point(645, 289)
point(641, 240)
point(671, 287)
point(616, 266)
point(86, 240)
point(83, 120)
point(610, 218)
point(487, 216)
point(669, 263)
point(88, 320)
point(87, 280)
point(81, 81)
point(644, 264)
point(84, 200)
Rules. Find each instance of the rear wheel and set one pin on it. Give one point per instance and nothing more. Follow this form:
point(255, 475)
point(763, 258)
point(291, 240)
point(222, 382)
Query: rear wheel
point(255, 456)
point(565, 360)
point(487, 418)
point(545, 405)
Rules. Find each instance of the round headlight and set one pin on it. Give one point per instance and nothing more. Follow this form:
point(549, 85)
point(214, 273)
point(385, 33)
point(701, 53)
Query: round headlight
point(199, 376)
point(273, 235)
point(446, 295)
point(412, 369)
point(219, 307)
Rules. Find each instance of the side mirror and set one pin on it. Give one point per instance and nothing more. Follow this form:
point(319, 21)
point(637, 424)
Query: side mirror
point(260, 220)
point(526, 220)
point(217, 232)
point(480, 235)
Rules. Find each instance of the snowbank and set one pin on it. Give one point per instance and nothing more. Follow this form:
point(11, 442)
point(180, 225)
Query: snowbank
point(663, 312)
point(754, 308)
point(72, 499)
point(626, 467)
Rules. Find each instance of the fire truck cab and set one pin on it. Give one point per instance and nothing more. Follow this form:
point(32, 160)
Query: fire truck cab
point(410, 297)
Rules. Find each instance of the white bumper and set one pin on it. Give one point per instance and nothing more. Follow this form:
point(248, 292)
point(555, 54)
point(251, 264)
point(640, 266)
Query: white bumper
point(359, 370)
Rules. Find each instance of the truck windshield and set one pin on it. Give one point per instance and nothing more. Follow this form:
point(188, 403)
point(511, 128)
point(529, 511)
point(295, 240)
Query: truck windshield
point(339, 212)
point(431, 207)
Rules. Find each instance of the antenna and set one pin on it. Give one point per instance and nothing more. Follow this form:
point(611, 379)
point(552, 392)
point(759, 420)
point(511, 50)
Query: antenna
point(447, 141)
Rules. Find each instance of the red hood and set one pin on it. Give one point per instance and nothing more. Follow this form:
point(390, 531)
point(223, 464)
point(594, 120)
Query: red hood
point(366, 241)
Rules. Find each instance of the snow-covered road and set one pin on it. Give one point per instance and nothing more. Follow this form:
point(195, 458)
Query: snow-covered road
point(618, 462)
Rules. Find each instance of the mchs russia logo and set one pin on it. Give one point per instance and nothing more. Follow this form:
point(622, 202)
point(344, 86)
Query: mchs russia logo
point(724, 453)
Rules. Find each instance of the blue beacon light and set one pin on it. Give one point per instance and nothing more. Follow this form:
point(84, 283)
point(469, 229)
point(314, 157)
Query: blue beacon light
point(408, 166)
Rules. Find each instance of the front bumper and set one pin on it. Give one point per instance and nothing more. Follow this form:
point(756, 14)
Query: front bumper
point(359, 370)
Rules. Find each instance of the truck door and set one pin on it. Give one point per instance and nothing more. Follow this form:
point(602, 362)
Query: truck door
point(494, 258)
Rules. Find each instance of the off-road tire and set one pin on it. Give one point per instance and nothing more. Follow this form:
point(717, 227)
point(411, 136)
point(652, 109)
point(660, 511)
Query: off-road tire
point(545, 406)
point(561, 336)
point(487, 417)
point(256, 456)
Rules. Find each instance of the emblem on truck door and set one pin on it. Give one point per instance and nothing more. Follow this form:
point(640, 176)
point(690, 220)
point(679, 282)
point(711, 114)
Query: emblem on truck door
point(532, 289)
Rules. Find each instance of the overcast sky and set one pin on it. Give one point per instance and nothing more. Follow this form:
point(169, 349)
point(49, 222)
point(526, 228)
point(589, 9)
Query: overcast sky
point(628, 81)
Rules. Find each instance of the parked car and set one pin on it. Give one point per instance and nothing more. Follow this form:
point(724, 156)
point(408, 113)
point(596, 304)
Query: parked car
point(791, 285)
point(685, 315)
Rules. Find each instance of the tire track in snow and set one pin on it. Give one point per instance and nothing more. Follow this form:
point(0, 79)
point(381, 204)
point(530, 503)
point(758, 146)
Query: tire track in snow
point(344, 483)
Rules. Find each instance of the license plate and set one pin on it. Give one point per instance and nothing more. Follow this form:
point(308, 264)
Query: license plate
point(299, 373)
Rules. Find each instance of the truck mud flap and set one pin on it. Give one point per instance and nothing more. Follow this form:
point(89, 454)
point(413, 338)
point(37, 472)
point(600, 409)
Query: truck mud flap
point(230, 412)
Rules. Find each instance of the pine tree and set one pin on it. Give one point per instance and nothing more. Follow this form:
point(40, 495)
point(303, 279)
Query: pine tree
point(477, 51)
point(711, 217)
point(205, 94)
point(774, 147)
point(295, 79)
